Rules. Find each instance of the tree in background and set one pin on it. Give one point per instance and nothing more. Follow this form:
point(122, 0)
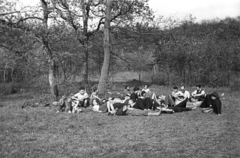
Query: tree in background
point(26, 21)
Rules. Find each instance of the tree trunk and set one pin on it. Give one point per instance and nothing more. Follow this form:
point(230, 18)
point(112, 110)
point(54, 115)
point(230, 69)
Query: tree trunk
point(12, 77)
point(86, 68)
point(106, 44)
point(51, 77)
point(45, 41)
point(85, 41)
point(4, 75)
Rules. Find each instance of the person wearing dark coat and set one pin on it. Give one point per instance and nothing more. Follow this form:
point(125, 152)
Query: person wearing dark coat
point(212, 101)
point(134, 96)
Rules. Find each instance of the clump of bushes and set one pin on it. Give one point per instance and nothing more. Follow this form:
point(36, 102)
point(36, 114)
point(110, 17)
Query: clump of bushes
point(235, 86)
point(10, 88)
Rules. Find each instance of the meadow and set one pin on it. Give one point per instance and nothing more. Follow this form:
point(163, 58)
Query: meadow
point(34, 130)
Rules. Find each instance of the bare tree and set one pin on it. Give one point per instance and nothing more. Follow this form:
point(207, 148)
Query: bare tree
point(107, 48)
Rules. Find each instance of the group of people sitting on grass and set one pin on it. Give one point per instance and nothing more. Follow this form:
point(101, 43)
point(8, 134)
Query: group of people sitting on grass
point(143, 102)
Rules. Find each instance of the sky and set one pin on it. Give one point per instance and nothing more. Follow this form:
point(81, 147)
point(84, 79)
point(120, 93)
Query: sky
point(200, 9)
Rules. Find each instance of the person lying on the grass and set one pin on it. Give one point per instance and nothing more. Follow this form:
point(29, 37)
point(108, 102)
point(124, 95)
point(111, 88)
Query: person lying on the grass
point(94, 95)
point(97, 105)
point(213, 103)
point(118, 104)
point(198, 94)
point(82, 97)
point(126, 109)
point(116, 101)
point(142, 103)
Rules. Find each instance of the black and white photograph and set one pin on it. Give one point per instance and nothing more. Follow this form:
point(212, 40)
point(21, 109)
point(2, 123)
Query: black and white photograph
point(119, 78)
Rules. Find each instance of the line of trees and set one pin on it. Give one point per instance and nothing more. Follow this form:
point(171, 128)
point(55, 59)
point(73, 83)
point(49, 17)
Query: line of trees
point(43, 21)
point(88, 38)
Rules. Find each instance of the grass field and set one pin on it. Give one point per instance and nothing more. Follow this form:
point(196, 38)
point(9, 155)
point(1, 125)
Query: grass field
point(38, 131)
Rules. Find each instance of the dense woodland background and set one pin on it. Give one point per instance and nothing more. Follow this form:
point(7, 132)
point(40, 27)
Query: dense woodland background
point(62, 41)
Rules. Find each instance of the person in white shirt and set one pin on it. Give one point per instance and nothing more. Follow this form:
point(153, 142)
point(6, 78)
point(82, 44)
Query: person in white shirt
point(185, 93)
point(146, 89)
point(149, 93)
point(82, 97)
point(177, 95)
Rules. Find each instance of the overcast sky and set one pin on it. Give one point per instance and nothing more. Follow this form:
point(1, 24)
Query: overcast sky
point(201, 9)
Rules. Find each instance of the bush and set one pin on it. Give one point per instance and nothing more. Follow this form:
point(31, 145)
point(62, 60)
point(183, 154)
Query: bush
point(235, 86)
point(10, 88)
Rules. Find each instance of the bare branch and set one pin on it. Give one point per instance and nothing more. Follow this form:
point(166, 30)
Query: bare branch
point(121, 12)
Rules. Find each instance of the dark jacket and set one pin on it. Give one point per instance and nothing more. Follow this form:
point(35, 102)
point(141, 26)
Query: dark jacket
point(216, 103)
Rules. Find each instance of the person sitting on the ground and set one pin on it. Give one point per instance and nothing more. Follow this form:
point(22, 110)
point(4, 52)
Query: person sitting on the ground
point(174, 98)
point(140, 102)
point(213, 103)
point(81, 97)
point(185, 93)
point(149, 93)
point(134, 96)
point(94, 95)
point(66, 103)
point(146, 88)
point(145, 103)
point(127, 90)
point(180, 107)
point(175, 93)
point(95, 105)
point(198, 94)
point(176, 108)
point(149, 103)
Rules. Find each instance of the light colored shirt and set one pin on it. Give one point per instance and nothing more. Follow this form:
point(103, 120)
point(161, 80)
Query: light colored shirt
point(186, 94)
point(199, 94)
point(176, 94)
point(147, 90)
point(80, 97)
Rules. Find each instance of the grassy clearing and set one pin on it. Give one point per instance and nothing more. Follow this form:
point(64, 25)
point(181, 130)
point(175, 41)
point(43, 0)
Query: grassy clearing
point(41, 132)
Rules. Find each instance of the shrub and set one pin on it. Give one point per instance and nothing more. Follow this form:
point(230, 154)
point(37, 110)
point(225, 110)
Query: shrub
point(10, 88)
point(235, 86)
